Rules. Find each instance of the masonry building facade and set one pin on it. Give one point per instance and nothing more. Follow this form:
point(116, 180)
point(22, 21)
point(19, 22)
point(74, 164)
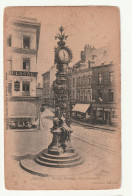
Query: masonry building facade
point(22, 44)
point(91, 87)
point(48, 80)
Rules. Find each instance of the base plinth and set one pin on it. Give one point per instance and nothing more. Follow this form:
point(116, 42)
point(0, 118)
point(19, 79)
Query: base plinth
point(76, 168)
point(58, 161)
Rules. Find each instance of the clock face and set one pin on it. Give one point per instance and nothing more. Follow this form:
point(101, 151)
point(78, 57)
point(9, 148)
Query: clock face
point(64, 55)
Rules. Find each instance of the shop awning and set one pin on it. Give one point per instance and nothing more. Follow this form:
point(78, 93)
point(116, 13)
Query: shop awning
point(22, 109)
point(81, 108)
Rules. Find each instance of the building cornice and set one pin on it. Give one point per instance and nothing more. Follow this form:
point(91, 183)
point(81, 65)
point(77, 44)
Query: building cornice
point(102, 65)
point(24, 51)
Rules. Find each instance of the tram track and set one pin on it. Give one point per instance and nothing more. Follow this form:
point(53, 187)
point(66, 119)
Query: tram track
point(94, 143)
point(90, 141)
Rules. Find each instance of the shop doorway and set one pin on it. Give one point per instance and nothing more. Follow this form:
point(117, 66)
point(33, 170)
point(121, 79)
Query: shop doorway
point(107, 117)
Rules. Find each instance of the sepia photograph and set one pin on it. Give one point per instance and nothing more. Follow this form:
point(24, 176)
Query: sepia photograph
point(62, 98)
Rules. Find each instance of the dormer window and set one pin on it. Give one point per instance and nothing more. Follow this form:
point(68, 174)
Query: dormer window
point(26, 42)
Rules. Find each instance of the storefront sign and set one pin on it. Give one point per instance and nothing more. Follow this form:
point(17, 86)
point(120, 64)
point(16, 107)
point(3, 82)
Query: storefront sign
point(23, 73)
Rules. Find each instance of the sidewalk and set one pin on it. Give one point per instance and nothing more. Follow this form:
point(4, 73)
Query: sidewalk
point(105, 127)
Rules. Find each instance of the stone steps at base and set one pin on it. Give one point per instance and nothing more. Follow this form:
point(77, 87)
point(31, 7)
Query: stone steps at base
point(59, 161)
point(59, 165)
point(63, 156)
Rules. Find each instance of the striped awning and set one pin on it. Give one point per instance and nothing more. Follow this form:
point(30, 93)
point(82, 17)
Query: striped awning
point(81, 108)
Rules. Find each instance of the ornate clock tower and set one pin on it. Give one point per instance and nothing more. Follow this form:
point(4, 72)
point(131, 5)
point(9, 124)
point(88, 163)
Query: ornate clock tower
point(60, 153)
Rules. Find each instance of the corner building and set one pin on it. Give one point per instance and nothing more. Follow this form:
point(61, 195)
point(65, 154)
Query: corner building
point(104, 106)
point(22, 44)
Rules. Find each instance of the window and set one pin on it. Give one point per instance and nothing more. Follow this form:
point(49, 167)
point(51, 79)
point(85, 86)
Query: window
point(93, 56)
point(48, 85)
point(44, 85)
point(26, 64)
point(10, 63)
point(79, 81)
point(17, 86)
point(78, 95)
point(10, 88)
point(83, 80)
point(111, 77)
point(73, 94)
point(89, 64)
point(73, 82)
point(9, 40)
point(69, 82)
point(100, 95)
point(89, 95)
point(26, 88)
point(100, 78)
point(38, 85)
point(113, 114)
point(89, 79)
point(100, 114)
point(47, 91)
point(111, 95)
point(26, 42)
point(83, 95)
point(86, 95)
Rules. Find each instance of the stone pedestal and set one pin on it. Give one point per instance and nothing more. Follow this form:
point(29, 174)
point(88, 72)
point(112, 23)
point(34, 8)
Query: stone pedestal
point(60, 153)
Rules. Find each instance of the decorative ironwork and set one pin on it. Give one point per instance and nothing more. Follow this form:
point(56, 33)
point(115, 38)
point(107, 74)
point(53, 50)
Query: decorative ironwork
point(61, 36)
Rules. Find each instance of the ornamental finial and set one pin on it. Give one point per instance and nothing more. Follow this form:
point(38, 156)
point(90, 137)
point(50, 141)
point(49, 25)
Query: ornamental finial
point(61, 36)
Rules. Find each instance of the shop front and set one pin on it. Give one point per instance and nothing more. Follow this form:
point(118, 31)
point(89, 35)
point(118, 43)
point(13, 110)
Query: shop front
point(22, 114)
point(104, 114)
point(81, 112)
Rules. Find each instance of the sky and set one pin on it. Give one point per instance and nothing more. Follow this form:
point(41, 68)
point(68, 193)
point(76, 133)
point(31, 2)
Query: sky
point(96, 26)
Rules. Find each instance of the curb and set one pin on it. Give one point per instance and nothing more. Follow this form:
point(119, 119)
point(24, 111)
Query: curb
point(94, 126)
